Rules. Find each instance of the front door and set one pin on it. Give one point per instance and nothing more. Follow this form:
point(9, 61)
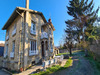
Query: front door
point(42, 45)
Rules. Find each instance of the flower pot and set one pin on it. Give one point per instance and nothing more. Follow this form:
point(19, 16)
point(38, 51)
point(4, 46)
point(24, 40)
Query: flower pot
point(21, 69)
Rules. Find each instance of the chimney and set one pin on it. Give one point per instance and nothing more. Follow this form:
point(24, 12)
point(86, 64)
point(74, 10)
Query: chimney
point(27, 4)
point(49, 20)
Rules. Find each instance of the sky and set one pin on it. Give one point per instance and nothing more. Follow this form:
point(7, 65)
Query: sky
point(56, 9)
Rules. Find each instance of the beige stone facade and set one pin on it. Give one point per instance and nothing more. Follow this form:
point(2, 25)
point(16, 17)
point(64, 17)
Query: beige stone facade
point(29, 39)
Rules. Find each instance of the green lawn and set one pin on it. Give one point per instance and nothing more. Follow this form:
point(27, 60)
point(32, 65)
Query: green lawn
point(55, 68)
point(68, 52)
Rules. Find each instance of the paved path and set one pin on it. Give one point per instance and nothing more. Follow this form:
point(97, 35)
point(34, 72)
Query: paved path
point(80, 66)
point(3, 73)
point(29, 71)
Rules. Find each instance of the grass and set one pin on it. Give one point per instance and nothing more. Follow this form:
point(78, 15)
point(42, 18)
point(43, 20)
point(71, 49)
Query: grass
point(62, 54)
point(55, 68)
point(93, 62)
point(75, 51)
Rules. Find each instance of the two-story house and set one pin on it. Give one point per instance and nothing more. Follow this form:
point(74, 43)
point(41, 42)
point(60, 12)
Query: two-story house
point(29, 38)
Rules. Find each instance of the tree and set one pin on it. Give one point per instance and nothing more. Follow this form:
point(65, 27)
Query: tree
point(69, 35)
point(84, 15)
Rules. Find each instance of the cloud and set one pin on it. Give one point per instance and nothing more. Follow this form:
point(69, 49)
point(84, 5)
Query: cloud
point(2, 41)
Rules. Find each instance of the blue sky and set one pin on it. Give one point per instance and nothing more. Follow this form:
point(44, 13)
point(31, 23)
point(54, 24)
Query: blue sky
point(54, 8)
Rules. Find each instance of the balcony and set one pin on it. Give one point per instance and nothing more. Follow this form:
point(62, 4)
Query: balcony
point(14, 32)
point(12, 54)
point(33, 52)
point(7, 37)
point(44, 35)
point(33, 32)
point(51, 50)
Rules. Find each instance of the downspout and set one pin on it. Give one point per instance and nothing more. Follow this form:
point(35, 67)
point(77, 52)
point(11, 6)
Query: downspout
point(22, 39)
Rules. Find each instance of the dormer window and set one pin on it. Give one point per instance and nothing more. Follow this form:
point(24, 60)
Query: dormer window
point(33, 28)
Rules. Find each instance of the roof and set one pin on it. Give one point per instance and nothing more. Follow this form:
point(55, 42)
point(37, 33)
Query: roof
point(49, 23)
point(15, 14)
point(2, 45)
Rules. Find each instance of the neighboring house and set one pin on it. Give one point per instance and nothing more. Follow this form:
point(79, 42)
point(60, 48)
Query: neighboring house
point(56, 50)
point(1, 49)
point(1, 53)
point(29, 39)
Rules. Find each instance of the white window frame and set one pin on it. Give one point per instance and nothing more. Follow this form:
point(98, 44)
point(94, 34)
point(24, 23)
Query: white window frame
point(13, 46)
point(33, 45)
point(33, 28)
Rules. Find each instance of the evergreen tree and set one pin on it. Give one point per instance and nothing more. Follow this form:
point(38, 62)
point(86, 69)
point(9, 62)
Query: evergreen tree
point(70, 32)
point(84, 15)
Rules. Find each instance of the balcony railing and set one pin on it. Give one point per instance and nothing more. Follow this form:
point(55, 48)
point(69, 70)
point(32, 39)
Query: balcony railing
point(44, 35)
point(12, 54)
point(33, 32)
point(51, 50)
point(7, 37)
point(33, 52)
point(14, 32)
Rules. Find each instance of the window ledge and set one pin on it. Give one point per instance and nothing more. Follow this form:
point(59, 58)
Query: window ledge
point(33, 52)
point(33, 32)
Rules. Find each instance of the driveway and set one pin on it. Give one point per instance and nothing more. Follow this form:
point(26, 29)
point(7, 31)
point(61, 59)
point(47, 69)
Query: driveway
point(80, 66)
point(3, 73)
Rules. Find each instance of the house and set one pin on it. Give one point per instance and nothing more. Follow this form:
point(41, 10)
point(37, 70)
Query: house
point(56, 50)
point(29, 39)
point(1, 49)
point(1, 53)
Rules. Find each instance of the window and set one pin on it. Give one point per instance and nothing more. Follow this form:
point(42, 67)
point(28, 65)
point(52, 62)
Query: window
point(51, 45)
point(50, 30)
point(33, 45)
point(13, 46)
point(6, 49)
point(8, 32)
point(41, 29)
point(33, 27)
point(15, 26)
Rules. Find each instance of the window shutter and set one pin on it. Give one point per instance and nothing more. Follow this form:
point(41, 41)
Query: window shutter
point(31, 26)
point(13, 48)
point(6, 49)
